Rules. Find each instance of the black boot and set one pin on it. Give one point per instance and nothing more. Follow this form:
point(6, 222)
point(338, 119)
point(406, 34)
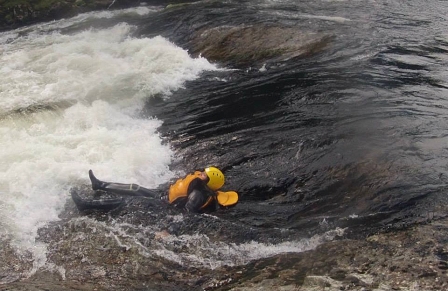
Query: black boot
point(96, 184)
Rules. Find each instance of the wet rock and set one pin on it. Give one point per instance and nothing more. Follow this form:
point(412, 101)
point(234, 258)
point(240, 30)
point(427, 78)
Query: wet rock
point(249, 45)
point(88, 252)
point(385, 261)
point(338, 274)
point(316, 283)
point(269, 285)
point(18, 13)
point(8, 277)
point(361, 280)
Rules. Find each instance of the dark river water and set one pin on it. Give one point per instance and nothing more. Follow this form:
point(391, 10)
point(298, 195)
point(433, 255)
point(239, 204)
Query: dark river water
point(356, 129)
point(344, 136)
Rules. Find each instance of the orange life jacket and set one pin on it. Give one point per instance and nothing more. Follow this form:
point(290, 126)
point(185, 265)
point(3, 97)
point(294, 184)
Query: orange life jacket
point(180, 189)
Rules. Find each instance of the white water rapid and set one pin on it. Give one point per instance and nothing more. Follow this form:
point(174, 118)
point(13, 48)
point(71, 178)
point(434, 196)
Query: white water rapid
point(69, 103)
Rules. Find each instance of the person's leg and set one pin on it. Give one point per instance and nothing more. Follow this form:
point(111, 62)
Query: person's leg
point(119, 188)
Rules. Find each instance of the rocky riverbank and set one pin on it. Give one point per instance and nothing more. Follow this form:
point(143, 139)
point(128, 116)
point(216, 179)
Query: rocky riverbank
point(18, 13)
point(411, 259)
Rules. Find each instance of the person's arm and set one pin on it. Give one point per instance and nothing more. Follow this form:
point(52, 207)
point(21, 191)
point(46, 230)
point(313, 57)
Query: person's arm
point(198, 193)
point(195, 201)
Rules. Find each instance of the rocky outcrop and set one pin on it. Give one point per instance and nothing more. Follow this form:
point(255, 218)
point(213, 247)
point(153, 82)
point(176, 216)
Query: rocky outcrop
point(14, 14)
point(246, 45)
point(410, 259)
point(18, 13)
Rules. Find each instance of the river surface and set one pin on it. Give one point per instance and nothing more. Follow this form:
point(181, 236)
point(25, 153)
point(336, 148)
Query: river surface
point(344, 141)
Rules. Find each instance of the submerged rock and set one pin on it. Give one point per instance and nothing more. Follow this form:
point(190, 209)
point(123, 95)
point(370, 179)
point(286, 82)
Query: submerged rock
point(408, 259)
point(245, 45)
point(403, 260)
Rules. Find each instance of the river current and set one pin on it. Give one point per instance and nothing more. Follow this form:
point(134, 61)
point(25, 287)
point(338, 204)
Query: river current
point(345, 140)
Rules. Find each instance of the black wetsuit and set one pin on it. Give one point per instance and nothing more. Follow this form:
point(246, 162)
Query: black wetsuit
point(197, 194)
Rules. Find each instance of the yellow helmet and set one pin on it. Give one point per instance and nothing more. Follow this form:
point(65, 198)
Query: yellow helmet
point(216, 178)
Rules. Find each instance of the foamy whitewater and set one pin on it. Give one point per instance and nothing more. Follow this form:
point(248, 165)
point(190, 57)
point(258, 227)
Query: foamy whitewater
point(69, 103)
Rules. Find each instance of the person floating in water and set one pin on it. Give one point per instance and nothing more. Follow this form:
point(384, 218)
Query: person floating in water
point(197, 192)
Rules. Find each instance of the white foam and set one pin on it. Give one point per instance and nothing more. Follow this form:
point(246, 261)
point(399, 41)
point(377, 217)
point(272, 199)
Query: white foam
point(325, 17)
point(201, 251)
point(43, 154)
point(295, 15)
point(106, 64)
point(196, 250)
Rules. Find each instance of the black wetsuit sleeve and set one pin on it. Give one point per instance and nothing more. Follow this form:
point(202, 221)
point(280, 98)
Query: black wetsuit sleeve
point(198, 194)
point(195, 201)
